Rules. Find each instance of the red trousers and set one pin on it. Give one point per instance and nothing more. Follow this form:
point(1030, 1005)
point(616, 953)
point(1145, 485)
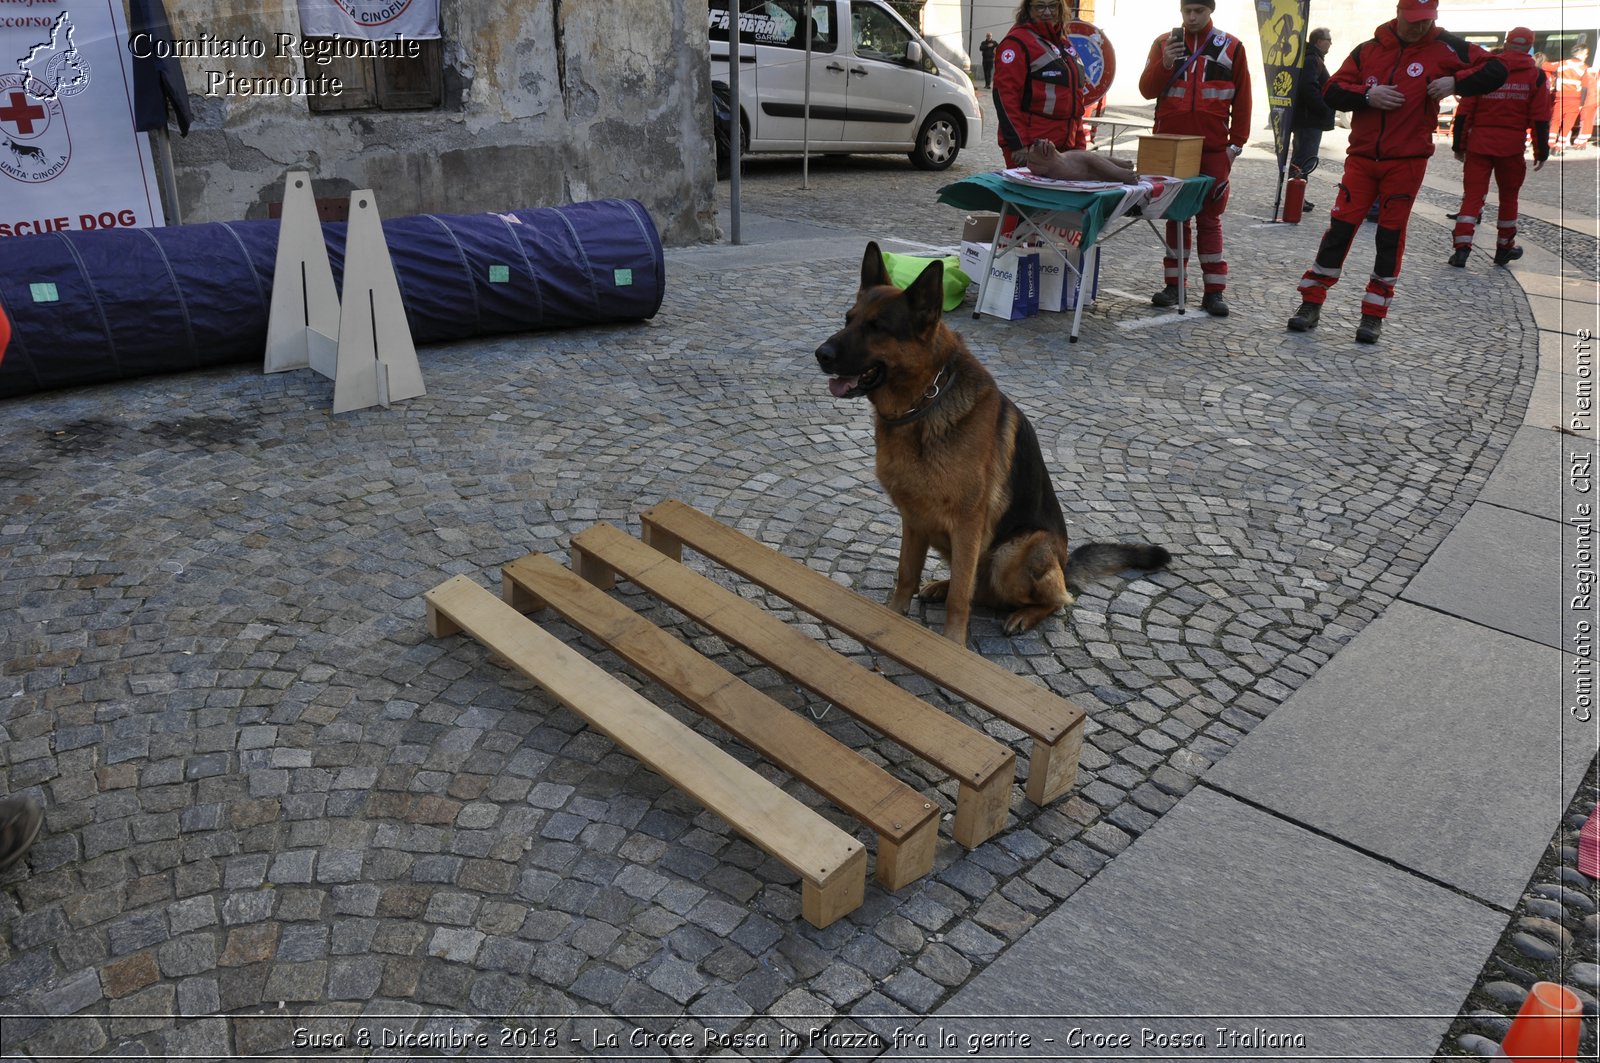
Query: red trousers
point(1509, 172)
point(1586, 114)
point(1561, 122)
point(1216, 165)
point(1393, 185)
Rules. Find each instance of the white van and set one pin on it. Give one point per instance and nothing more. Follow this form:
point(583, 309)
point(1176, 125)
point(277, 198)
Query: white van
point(876, 86)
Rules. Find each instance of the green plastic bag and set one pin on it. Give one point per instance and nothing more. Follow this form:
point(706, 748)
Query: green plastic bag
point(903, 269)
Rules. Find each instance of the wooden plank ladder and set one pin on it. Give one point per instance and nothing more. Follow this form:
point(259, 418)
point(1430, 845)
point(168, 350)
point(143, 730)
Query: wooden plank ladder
point(831, 864)
point(906, 823)
point(1054, 723)
point(983, 768)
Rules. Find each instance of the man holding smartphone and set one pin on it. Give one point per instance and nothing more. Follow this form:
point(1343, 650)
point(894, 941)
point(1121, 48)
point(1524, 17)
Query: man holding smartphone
point(1198, 77)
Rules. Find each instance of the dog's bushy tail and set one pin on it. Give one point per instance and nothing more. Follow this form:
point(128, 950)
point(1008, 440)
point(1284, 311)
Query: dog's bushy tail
point(1097, 561)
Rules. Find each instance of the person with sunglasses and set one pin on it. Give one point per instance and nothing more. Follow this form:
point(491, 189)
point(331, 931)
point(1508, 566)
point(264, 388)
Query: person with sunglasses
point(1039, 83)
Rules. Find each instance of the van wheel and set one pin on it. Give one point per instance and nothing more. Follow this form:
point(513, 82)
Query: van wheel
point(938, 143)
point(721, 119)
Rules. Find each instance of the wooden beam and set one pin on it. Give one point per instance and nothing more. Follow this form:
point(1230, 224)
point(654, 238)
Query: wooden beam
point(1054, 723)
point(973, 759)
point(831, 864)
point(906, 822)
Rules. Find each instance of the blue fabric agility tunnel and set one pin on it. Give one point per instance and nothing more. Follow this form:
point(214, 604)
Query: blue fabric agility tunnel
point(92, 307)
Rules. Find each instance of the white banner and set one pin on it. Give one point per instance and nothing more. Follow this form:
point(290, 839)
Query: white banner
point(372, 20)
point(69, 156)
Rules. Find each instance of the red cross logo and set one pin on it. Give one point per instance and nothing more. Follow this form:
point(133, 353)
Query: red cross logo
point(21, 113)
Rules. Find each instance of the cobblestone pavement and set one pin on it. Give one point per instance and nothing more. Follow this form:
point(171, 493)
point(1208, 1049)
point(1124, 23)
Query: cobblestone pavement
point(281, 816)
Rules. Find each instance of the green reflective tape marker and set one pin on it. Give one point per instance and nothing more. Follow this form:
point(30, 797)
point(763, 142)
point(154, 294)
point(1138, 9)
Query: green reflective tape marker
point(44, 293)
point(623, 277)
point(499, 274)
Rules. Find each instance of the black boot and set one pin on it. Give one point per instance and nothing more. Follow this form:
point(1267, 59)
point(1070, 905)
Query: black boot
point(1305, 318)
point(1370, 329)
point(1458, 257)
point(1507, 254)
point(1214, 304)
point(1167, 296)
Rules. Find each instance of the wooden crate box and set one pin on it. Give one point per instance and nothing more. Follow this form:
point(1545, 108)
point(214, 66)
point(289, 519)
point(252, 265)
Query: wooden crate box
point(1170, 154)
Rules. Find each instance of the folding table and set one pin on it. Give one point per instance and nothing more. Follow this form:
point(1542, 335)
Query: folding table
point(1035, 206)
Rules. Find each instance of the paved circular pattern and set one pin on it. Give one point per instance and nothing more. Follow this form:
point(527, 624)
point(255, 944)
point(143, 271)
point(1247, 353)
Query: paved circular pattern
point(266, 784)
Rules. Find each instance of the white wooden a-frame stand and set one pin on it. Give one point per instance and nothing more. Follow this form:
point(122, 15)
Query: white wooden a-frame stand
point(363, 346)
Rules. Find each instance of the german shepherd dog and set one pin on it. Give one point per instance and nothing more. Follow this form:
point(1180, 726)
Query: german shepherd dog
point(960, 462)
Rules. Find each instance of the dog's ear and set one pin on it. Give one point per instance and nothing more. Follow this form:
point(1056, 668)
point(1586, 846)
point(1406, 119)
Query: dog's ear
point(925, 297)
point(873, 271)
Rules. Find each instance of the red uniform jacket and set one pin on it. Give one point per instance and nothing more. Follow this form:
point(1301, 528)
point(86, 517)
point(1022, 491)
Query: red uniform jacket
point(1497, 122)
point(1207, 94)
point(1569, 77)
point(1407, 132)
point(1039, 87)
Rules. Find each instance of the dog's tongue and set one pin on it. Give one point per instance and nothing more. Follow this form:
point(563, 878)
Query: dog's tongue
point(840, 386)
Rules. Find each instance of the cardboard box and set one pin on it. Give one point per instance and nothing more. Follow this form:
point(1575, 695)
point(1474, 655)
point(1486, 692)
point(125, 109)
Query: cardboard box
point(979, 227)
point(977, 234)
point(1169, 154)
point(971, 256)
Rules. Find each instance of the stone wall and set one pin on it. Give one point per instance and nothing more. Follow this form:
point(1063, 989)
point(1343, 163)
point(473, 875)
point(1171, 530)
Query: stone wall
point(545, 102)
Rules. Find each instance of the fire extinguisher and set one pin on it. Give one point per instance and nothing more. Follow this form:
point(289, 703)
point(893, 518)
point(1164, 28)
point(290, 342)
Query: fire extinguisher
point(1293, 199)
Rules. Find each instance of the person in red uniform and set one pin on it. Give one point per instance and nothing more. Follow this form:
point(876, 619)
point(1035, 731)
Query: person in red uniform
point(1588, 104)
point(1567, 82)
point(1039, 83)
point(1393, 84)
point(1201, 84)
point(1489, 132)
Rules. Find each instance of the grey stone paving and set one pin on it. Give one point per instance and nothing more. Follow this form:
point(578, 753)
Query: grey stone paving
point(1341, 756)
point(1503, 569)
point(1131, 957)
point(267, 785)
point(1529, 477)
point(1550, 938)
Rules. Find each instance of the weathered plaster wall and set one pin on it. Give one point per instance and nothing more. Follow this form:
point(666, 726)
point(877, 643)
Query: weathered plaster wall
point(546, 102)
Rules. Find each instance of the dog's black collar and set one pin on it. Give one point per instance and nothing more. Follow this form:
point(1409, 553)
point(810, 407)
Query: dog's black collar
point(930, 399)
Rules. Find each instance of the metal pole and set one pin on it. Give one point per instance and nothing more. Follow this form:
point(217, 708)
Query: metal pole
point(164, 169)
point(972, 34)
point(805, 122)
point(734, 138)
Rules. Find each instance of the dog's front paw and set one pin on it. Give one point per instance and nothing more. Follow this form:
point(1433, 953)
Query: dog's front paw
point(935, 590)
point(900, 602)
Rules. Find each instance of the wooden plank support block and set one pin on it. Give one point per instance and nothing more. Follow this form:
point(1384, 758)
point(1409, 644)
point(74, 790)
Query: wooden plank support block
point(1054, 723)
point(906, 823)
point(831, 864)
point(983, 767)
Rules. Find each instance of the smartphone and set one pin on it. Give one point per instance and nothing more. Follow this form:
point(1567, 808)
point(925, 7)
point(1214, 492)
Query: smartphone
point(1177, 36)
